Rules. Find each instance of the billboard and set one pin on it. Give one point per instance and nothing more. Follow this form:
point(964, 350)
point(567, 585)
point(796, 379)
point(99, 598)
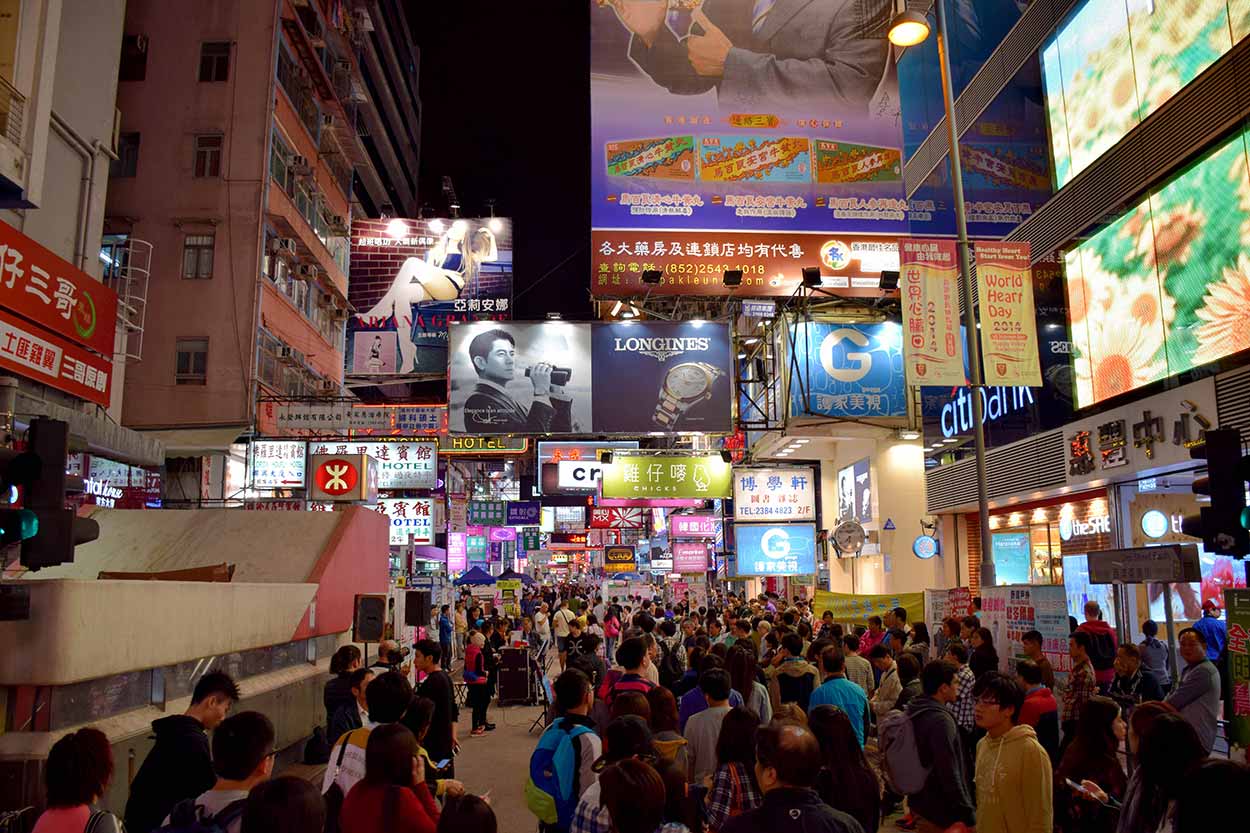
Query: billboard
point(556, 377)
point(1162, 289)
point(690, 557)
point(855, 491)
point(930, 287)
point(571, 467)
point(847, 370)
point(402, 465)
point(412, 520)
point(693, 526)
point(724, 123)
point(1008, 314)
point(780, 494)
point(686, 476)
point(776, 549)
point(411, 278)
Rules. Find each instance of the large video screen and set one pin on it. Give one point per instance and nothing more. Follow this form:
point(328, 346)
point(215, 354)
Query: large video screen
point(1166, 286)
point(1112, 63)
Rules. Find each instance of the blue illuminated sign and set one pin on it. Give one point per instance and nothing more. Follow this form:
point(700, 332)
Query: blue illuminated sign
point(925, 547)
point(848, 370)
point(996, 402)
point(776, 549)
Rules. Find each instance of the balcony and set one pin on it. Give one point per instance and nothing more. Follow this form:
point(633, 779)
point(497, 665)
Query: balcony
point(12, 111)
point(12, 155)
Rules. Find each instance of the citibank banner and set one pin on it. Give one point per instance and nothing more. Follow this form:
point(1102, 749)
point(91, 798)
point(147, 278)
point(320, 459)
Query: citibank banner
point(776, 550)
point(847, 370)
point(556, 377)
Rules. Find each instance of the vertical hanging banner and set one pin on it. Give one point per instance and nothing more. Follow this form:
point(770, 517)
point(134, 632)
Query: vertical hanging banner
point(1008, 318)
point(930, 296)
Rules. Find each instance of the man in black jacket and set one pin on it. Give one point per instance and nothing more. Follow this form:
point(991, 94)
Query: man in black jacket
point(946, 798)
point(787, 759)
point(180, 765)
point(440, 740)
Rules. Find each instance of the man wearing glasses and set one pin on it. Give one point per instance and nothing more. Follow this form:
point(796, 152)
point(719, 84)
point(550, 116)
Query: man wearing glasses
point(1013, 777)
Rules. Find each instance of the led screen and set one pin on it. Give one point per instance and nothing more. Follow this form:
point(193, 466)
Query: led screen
point(1166, 286)
point(1112, 63)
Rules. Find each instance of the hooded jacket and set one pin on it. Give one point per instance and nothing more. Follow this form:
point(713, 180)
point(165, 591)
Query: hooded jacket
point(179, 766)
point(1014, 784)
point(1098, 628)
point(793, 681)
point(946, 798)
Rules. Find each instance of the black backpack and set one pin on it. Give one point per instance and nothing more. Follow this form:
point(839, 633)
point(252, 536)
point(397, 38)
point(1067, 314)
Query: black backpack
point(670, 667)
point(1101, 651)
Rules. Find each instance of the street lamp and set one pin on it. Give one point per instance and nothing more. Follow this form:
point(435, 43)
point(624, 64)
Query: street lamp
point(910, 28)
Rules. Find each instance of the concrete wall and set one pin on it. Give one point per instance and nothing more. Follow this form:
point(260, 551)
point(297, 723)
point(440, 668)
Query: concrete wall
point(898, 494)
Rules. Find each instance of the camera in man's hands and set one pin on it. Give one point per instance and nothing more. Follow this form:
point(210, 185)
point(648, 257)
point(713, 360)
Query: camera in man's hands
point(559, 375)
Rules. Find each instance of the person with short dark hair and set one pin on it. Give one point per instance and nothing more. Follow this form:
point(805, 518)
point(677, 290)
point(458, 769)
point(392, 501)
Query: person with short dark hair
point(858, 669)
point(1082, 683)
point(734, 791)
point(693, 702)
point(841, 693)
point(491, 409)
point(873, 636)
point(1103, 644)
point(1132, 685)
point(1031, 644)
point(354, 714)
point(908, 666)
point(467, 814)
point(446, 630)
point(626, 737)
point(1197, 695)
point(633, 797)
point(393, 797)
point(242, 758)
point(417, 719)
point(845, 782)
point(632, 656)
point(888, 685)
point(1013, 774)
point(791, 678)
point(787, 762)
point(1040, 709)
point(1156, 655)
point(388, 696)
point(285, 804)
point(945, 798)
point(180, 765)
point(440, 739)
point(573, 700)
point(77, 774)
point(703, 729)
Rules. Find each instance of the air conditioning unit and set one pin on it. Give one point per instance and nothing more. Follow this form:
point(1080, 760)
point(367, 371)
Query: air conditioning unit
point(327, 120)
point(299, 165)
point(328, 386)
point(327, 300)
point(284, 244)
point(307, 271)
point(287, 355)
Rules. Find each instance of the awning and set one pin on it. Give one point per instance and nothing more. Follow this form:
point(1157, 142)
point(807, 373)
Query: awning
point(192, 442)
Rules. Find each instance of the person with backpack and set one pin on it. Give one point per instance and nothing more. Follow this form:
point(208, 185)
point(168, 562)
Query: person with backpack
point(632, 656)
point(242, 758)
point(393, 797)
point(792, 679)
point(924, 757)
point(671, 667)
point(77, 774)
point(626, 737)
point(1103, 645)
point(180, 765)
point(1013, 774)
point(562, 765)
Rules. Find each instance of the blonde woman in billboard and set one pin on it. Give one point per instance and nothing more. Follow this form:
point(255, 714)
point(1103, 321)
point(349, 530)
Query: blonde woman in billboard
point(451, 265)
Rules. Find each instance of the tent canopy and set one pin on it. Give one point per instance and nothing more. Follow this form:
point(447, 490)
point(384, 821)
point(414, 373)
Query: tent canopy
point(475, 576)
point(512, 575)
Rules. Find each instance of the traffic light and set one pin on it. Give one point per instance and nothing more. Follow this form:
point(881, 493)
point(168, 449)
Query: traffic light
point(1221, 526)
point(16, 470)
point(57, 529)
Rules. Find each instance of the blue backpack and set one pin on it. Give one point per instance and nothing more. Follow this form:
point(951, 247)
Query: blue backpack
point(186, 817)
point(552, 791)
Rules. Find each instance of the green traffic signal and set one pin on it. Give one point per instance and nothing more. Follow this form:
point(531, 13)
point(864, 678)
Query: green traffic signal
point(1245, 518)
point(18, 525)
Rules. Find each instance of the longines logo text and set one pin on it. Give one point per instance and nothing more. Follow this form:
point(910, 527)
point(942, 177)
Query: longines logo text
point(661, 349)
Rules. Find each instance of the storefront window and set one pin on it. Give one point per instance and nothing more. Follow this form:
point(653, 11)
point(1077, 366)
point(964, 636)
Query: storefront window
point(1030, 541)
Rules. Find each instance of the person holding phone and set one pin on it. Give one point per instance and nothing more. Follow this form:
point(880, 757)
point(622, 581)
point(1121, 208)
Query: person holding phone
point(491, 409)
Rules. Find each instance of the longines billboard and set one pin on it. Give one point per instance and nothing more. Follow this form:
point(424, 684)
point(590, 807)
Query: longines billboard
point(557, 377)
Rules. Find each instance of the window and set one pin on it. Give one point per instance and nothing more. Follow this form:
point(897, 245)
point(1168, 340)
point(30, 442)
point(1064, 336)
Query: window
point(208, 155)
point(134, 61)
point(192, 361)
point(197, 256)
point(127, 162)
point(215, 61)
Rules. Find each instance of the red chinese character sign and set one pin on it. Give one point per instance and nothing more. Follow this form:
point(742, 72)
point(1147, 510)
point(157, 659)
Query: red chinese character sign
point(49, 291)
point(37, 354)
point(932, 345)
point(1237, 607)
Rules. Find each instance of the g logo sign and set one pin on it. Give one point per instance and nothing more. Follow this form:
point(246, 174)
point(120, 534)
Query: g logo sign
point(857, 364)
point(775, 543)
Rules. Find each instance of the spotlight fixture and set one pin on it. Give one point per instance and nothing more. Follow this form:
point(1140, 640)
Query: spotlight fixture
point(889, 279)
point(811, 276)
point(616, 309)
point(732, 277)
point(652, 276)
point(908, 27)
point(605, 457)
point(908, 434)
point(726, 455)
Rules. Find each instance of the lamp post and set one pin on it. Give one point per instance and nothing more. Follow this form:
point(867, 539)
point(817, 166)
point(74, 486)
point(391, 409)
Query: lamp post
point(910, 28)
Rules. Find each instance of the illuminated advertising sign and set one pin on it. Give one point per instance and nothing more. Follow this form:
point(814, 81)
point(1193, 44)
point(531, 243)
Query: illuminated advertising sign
point(693, 526)
point(277, 464)
point(688, 476)
point(342, 478)
point(568, 541)
point(411, 278)
point(775, 549)
point(412, 520)
point(847, 370)
point(690, 557)
point(602, 517)
point(619, 560)
point(779, 494)
point(400, 465)
point(551, 454)
point(457, 552)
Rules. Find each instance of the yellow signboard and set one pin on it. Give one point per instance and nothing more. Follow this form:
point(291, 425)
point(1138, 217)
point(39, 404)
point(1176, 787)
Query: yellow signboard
point(1008, 316)
point(850, 608)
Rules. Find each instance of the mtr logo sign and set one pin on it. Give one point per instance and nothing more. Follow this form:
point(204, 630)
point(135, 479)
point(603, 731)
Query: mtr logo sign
point(342, 478)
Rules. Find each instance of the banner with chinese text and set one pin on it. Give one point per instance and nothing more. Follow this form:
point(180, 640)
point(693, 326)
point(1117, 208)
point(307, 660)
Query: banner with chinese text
point(929, 283)
point(851, 608)
point(1237, 707)
point(636, 476)
point(1009, 350)
point(1012, 610)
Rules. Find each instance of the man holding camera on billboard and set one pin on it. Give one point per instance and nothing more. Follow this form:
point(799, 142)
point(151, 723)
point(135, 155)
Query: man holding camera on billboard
point(490, 409)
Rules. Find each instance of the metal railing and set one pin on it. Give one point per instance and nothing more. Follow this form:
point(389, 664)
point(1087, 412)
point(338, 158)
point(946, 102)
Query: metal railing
point(12, 112)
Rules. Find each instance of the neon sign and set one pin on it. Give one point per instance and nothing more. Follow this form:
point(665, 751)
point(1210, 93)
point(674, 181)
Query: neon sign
point(996, 402)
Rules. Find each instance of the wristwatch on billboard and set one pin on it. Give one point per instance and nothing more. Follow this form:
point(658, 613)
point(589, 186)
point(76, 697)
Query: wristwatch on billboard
point(684, 386)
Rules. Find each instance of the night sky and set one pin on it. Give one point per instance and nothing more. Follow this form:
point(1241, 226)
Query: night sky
point(505, 92)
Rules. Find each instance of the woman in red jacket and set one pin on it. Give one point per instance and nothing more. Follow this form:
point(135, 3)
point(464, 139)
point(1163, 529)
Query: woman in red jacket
point(476, 677)
point(393, 797)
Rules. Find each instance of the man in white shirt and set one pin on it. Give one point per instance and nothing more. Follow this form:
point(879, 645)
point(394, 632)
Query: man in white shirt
point(560, 624)
point(242, 758)
point(703, 729)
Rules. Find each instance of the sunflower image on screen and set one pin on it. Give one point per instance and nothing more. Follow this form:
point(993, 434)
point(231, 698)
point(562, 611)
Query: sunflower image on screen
point(754, 159)
point(448, 268)
point(671, 157)
point(838, 162)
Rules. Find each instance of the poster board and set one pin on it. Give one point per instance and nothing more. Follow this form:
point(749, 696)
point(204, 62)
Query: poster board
point(1011, 610)
point(854, 609)
point(1237, 707)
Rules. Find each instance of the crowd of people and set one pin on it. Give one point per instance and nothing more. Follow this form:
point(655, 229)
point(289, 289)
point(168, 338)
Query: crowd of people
point(733, 716)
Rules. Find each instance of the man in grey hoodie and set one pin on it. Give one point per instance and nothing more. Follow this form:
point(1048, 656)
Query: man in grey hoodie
point(945, 798)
